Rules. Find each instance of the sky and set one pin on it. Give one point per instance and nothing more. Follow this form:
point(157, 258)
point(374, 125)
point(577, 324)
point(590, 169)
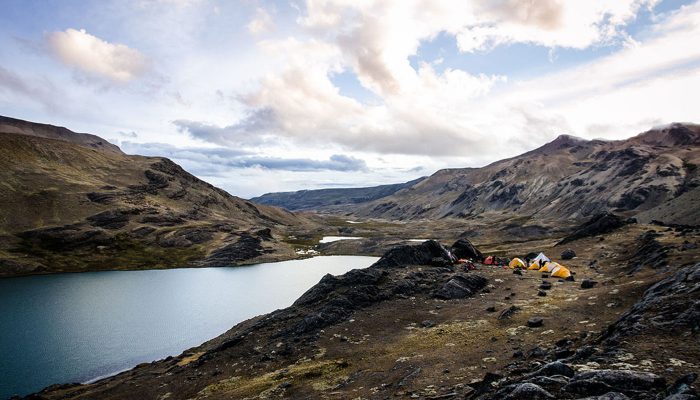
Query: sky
point(266, 96)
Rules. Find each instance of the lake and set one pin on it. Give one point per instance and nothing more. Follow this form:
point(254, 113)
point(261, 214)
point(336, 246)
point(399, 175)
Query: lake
point(77, 327)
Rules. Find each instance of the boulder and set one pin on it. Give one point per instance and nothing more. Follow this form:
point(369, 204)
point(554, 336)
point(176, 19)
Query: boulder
point(588, 283)
point(568, 254)
point(525, 391)
point(461, 286)
point(554, 368)
point(535, 322)
point(463, 248)
point(608, 396)
point(598, 382)
point(422, 254)
point(508, 312)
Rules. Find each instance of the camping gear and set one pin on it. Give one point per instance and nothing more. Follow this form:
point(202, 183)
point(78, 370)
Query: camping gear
point(548, 267)
point(489, 260)
point(542, 257)
point(534, 266)
point(517, 263)
point(561, 272)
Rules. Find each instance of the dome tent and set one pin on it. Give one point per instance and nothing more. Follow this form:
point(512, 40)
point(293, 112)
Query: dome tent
point(517, 263)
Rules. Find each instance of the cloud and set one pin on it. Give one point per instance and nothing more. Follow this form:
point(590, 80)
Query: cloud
point(91, 55)
point(42, 92)
point(220, 160)
point(130, 135)
point(261, 22)
point(249, 131)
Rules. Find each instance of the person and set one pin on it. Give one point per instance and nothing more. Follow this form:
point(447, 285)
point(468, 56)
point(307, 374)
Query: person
point(541, 263)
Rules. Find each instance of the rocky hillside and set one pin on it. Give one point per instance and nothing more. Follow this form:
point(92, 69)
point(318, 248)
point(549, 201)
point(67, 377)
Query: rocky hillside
point(74, 202)
point(413, 325)
point(653, 176)
point(330, 198)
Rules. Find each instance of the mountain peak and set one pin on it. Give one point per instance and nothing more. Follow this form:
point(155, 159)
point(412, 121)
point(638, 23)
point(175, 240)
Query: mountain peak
point(673, 134)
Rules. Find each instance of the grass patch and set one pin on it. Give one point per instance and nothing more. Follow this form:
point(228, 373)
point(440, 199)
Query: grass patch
point(322, 375)
point(119, 253)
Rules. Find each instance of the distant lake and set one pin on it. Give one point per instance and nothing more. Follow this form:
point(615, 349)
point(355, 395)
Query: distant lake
point(77, 327)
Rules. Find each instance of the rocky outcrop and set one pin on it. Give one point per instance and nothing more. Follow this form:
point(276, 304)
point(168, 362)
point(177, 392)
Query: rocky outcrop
point(671, 306)
point(463, 248)
point(598, 225)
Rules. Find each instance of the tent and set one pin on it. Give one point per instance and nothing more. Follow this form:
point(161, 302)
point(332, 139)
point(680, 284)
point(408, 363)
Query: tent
point(548, 266)
point(561, 272)
point(489, 260)
point(534, 266)
point(542, 257)
point(517, 263)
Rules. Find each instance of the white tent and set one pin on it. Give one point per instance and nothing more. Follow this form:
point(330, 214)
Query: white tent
point(539, 257)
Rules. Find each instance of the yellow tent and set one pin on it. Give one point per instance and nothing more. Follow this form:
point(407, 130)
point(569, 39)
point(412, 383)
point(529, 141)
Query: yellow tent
point(561, 272)
point(548, 267)
point(534, 266)
point(517, 263)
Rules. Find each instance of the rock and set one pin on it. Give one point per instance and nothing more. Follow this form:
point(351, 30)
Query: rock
point(588, 283)
point(517, 271)
point(525, 391)
point(461, 286)
point(608, 396)
point(427, 323)
point(491, 308)
point(649, 252)
point(536, 352)
point(672, 305)
point(421, 254)
point(541, 293)
point(111, 219)
point(598, 225)
point(508, 312)
point(568, 254)
point(463, 248)
point(535, 322)
point(598, 382)
point(682, 385)
point(554, 368)
point(245, 248)
point(546, 286)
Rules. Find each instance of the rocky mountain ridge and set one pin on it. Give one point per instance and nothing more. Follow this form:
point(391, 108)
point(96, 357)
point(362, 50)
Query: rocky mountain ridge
point(74, 202)
point(652, 176)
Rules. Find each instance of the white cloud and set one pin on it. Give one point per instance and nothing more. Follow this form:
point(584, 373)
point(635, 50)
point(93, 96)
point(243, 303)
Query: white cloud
point(92, 55)
point(261, 22)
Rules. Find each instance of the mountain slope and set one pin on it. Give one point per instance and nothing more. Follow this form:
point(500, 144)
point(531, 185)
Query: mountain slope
point(653, 175)
point(318, 199)
point(73, 202)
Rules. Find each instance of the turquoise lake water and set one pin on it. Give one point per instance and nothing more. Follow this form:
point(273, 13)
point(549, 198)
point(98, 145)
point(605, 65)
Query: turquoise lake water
point(77, 327)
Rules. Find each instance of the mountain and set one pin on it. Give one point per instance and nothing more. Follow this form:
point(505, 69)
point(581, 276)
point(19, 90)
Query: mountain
point(75, 202)
point(322, 198)
point(652, 176)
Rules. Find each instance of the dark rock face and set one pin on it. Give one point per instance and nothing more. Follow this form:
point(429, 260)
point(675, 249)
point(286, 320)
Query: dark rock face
point(568, 254)
point(461, 286)
point(526, 391)
point(422, 254)
point(245, 248)
point(672, 305)
point(603, 381)
point(111, 219)
point(463, 248)
point(648, 253)
point(598, 225)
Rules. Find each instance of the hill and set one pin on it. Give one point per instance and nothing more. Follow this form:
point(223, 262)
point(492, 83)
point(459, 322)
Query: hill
point(75, 202)
point(319, 199)
point(652, 176)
